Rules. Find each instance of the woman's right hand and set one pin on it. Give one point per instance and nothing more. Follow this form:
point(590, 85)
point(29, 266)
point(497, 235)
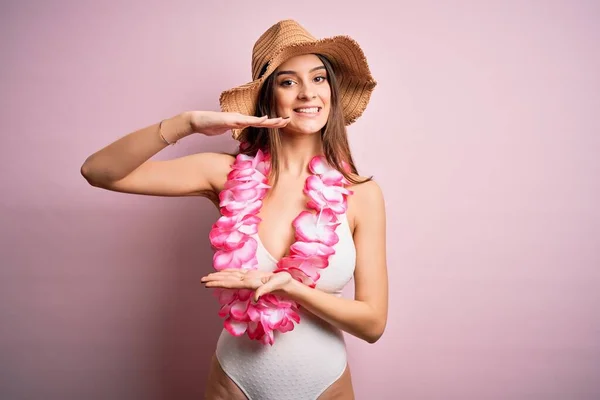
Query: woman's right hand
point(212, 123)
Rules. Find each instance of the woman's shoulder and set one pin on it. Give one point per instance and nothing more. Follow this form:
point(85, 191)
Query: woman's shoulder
point(366, 199)
point(223, 159)
point(219, 164)
point(367, 190)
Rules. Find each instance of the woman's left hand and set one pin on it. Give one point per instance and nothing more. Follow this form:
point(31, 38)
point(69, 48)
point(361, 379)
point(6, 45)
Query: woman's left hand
point(261, 281)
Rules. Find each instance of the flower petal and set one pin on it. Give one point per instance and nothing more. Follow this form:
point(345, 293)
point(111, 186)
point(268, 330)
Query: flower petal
point(236, 328)
point(311, 249)
point(238, 310)
point(255, 330)
point(318, 165)
point(226, 296)
point(332, 177)
point(224, 310)
point(244, 294)
point(313, 182)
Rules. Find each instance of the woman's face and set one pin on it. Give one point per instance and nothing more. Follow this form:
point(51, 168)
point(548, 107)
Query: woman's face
point(302, 93)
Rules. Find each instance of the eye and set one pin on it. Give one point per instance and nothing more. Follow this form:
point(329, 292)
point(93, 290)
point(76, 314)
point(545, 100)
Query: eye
point(322, 78)
point(285, 82)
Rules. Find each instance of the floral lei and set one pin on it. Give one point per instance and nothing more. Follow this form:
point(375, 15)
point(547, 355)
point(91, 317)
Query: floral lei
point(231, 238)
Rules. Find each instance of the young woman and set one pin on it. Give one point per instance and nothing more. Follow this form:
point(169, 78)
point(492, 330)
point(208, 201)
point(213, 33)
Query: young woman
point(298, 221)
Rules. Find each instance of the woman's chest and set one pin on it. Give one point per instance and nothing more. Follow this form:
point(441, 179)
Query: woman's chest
point(279, 210)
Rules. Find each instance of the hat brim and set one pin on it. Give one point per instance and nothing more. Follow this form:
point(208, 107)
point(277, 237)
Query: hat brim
point(348, 60)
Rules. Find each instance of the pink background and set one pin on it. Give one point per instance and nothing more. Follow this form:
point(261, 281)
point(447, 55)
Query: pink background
point(483, 133)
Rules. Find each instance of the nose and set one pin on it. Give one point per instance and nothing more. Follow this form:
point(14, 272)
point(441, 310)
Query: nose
point(307, 92)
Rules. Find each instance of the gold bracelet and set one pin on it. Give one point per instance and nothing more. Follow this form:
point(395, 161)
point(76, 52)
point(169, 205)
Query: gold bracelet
point(161, 135)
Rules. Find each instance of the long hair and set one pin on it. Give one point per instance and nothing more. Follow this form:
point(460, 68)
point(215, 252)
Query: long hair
point(334, 136)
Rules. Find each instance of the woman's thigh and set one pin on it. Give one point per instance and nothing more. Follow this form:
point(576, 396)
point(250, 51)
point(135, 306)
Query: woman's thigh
point(341, 389)
point(219, 386)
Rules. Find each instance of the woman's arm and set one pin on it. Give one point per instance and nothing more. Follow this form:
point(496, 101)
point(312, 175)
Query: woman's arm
point(125, 165)
point(123, 156)
point(366, 315)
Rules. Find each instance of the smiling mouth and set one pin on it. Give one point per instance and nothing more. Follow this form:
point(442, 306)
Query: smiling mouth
point(308, 111)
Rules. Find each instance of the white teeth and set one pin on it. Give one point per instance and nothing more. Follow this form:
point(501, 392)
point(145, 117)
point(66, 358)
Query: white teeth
point(308, 110)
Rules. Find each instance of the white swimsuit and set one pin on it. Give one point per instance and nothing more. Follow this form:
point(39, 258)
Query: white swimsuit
point(302, 363)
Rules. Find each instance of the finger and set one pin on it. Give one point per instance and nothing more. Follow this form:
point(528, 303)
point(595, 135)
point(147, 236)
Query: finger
point(233, 276)
point(212, 277)
point(223, 275)
point(231, 282)
point(278, 122)
point(274, 123)
point(281, 122)
point(276, 282)
point(254, 120)
point(263, 289)
point(233, 270)
point(228, 271)
point(271, 121)
point(225, 284)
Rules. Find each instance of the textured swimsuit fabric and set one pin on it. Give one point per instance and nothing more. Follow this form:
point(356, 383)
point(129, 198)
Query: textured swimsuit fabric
point(304, 362)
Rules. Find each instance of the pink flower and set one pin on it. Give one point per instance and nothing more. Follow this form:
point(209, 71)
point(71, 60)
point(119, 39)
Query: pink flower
point(247, 224)
point(236, 174)
point(249, 208)
point(239, 310)
point(276, 314)
point(256, 330)
point(242, 161)
point(238, 190)
point(230, 236)
point(260, 320)
point(225, 296)
point(237, 198)
point(243, 257)
point(235, 327)
point(307, 229)
point(325, 196)
point(319, 166)
point(309, 249)
point(308, 277)
point(226, 239)
point(262, 163)
point(302, 268)
point(230, 233)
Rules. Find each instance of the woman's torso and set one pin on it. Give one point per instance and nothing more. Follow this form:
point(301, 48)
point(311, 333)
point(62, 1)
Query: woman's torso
point(302, 362)
point(311, 356)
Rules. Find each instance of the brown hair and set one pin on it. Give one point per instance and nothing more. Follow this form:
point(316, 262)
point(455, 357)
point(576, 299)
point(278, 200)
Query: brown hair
point(335, 139)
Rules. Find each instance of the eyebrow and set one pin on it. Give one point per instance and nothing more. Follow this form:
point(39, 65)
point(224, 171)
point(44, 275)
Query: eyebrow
point(294, 72)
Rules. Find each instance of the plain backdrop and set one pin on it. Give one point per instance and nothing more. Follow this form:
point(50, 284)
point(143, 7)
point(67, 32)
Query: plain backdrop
point(483, 133)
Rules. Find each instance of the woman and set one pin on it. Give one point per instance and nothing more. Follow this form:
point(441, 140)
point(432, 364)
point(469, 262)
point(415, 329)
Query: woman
point(298, 221)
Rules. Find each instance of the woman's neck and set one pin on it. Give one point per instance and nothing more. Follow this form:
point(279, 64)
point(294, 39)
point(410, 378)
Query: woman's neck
point(297, 151)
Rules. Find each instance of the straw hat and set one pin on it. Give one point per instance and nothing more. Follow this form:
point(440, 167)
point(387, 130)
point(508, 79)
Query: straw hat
point(287, 39)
